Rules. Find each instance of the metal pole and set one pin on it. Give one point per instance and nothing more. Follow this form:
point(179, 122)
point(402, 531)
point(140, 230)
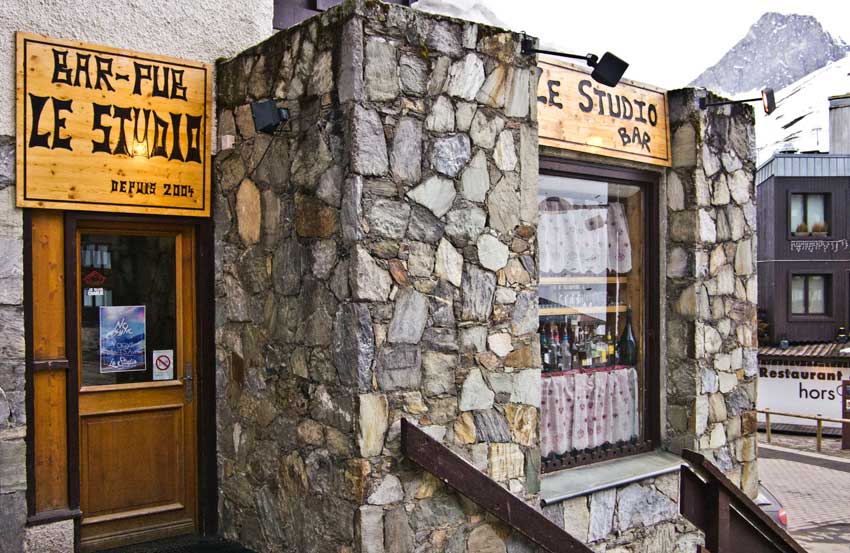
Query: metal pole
point(767, 423)
point(820, 432)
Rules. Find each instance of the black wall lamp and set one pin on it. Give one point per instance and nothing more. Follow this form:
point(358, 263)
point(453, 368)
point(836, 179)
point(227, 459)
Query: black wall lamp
point(267, 116)
point(608, 70)
point(768, 102)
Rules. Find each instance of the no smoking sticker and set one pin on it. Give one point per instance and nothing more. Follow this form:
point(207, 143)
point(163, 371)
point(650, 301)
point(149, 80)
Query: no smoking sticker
point(163, 364)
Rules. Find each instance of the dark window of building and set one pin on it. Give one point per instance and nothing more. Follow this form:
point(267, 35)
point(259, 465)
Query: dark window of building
point(809, 214)
point(810, 294)
point(593, 263)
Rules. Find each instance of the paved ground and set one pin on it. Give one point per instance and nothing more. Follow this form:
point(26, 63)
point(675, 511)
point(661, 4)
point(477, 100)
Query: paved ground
point(814, 488)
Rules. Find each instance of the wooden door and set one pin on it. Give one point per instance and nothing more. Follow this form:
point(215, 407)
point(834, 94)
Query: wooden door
point(136, 354)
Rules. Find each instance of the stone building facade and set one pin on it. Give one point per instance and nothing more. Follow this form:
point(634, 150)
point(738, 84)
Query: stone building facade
point(712, 291)
point(392, 273)
point(376, 259)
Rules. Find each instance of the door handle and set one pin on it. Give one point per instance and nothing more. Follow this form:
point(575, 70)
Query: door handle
point(187, 381)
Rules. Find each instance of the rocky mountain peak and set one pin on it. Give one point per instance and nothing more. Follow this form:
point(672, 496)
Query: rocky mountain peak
point(777, 50)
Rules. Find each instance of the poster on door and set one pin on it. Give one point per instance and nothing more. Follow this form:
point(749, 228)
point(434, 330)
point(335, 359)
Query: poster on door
point(122, 338)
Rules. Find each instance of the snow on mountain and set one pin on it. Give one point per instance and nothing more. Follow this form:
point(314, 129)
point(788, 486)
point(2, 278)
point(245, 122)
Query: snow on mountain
point(801, 120)
point(472, 10)
point(778, 50)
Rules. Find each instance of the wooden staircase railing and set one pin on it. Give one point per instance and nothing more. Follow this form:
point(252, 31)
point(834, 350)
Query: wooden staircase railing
point(457, 473)
point(732, 522)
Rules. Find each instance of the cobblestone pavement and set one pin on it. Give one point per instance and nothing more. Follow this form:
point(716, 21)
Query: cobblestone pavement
point(813, 489)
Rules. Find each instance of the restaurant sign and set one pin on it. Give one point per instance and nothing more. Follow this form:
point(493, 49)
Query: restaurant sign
point(101, 129)
point(628, 121)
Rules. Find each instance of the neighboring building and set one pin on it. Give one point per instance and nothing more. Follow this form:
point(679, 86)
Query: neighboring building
point(244, 344)
point(804, 275)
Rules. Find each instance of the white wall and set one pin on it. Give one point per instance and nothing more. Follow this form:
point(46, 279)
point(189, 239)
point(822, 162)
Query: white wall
point(201, 30)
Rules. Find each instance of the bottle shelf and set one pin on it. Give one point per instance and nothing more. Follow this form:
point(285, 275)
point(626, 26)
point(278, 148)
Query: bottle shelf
point(589, 310)
point(554, 281)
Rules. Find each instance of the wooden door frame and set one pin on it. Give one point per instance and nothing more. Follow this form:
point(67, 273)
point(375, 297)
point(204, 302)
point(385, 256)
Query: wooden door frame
point(207, 482)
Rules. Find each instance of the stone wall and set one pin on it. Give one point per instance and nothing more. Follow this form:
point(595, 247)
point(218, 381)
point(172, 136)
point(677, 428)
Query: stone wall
point(288, 474)
point(711, 285)
point(375, 261)
point(13, 479)
point(640, 517)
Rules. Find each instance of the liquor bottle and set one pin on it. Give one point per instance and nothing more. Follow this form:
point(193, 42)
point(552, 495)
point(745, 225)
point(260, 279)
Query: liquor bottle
point(609, 342)
point(544, 348)
point(627, 346)
point(555, 344)
point(566, 355)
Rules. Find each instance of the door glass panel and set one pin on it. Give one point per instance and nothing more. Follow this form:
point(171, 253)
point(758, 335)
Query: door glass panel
point(128, 308)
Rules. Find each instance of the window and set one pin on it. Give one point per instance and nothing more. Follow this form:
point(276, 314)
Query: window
point(809, 215)
point(810, 294)
point(592, 319)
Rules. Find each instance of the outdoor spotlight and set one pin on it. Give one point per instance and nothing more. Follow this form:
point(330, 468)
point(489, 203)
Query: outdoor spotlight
point(267, 116)
point(608, 70)
point(767, 99)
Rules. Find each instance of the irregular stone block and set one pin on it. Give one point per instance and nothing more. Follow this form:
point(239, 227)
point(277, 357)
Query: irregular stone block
point(464, 225)
point(479, 287)
point(372, 423)
point(398, 536)
point(371, 529)
point(406, 157)
point(466, 77)
point(639, 506)
point(439, 373)
point(368, 281)
point(485, 539)
point(424, 226)
point(314, 218)
point(491, 426)
point(351, 213)
point(506, 462)
point(441, 118)
point(492, 253)
point(436, 193)
point(409, 317)
point(449, 155)
point(368, 143)
point(388, 218)
point(413, 72)
point(475, 180)
point(484, 130)
point(505, 153)
point(248, 212)
point(525, 315)
point(601, 514)
point(381, 71)
point(399, 367)
point(354, 345)
point(389, 491)
point(503, 204)
point(475, 395)
point(448, 263)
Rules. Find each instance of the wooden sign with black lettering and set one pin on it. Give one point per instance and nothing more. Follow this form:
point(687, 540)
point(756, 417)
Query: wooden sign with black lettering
point(628, 121)
point(102, 129)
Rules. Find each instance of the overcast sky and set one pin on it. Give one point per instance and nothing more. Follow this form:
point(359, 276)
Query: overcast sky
point(667, 42)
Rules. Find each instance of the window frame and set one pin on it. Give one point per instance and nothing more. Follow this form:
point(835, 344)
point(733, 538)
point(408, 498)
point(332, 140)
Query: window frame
point(827, 211)
point(651, 416)
point(828, 314)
